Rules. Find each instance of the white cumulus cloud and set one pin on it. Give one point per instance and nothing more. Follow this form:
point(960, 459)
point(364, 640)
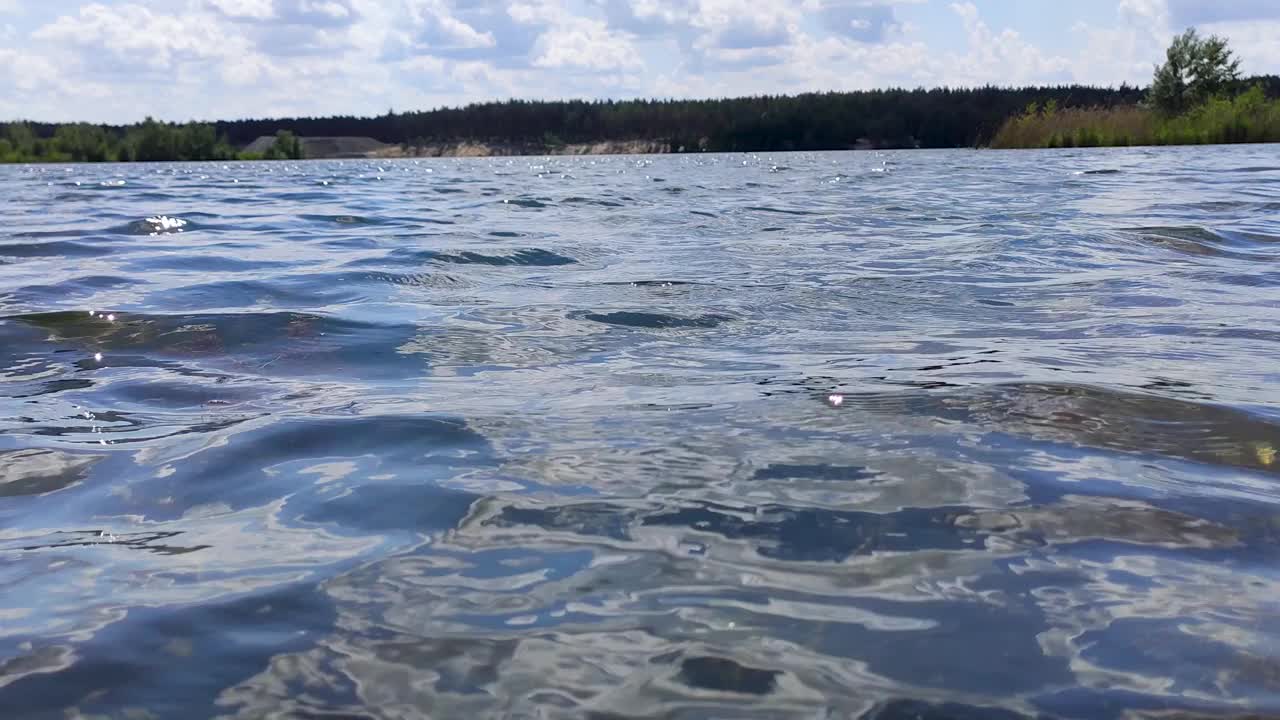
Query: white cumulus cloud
point(180, 59)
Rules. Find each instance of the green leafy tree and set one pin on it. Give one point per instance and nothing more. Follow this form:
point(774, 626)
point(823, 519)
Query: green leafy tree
point(82, 142)
point(286, 147)
point(22, 139)
point(1195, 70)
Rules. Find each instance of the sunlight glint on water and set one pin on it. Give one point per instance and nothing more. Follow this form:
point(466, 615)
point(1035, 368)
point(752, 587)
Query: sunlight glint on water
point(883, 435)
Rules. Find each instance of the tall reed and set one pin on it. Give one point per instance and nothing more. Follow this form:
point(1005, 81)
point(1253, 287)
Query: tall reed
point(1249, 117)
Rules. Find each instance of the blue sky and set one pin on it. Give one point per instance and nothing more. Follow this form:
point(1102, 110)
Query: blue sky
point(120, 60)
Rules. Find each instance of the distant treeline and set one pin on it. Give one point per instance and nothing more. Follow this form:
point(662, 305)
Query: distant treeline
point(147, 141)
point(816, 121)
point(938, 118)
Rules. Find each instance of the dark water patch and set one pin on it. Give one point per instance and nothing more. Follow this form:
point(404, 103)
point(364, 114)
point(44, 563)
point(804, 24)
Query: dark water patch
point(783, 471)
point(268, 343)
point(781, 211)
point(46, 387)
point(819, 535)
point(656, 321)
point(528, 202)
point(599, 202)
point(1102, 418)
point(725, 675)
point(590, 519)
point(304, 196)
point(57, 248)
point(1102, 171)
point(353, 220)
point(58, 233)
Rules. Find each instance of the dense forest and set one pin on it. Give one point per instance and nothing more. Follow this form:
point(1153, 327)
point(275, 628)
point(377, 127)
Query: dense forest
point(893, 118)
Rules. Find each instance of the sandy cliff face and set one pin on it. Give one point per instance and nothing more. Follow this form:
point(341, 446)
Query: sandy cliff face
point(479, 149)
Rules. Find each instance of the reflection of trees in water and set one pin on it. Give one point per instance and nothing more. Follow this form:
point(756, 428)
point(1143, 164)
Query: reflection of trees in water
point(1098, 417)
point(826, 535)
point(671, 608)
point(270, 343)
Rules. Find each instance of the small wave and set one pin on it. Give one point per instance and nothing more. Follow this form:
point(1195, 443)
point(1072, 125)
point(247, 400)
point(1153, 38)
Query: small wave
point(285, 293)
point(653, 283)
point(656, 321)
point(157, 225)
point(75, 287)
point(1194, 240)
point(259, 342)
point(58, 248)
point(576, 200)
point(345, 219)
point(417, 280)
point(1105, 171)
point(524, 202)
point(529, 257)
point(526, 257)
point(780, 211)
point(204, 263)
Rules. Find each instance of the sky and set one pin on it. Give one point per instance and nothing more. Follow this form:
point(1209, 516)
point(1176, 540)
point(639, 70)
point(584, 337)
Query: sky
point(121, 60)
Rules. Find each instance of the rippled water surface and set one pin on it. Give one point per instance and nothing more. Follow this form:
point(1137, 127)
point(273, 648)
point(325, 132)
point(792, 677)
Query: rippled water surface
point(916, 435)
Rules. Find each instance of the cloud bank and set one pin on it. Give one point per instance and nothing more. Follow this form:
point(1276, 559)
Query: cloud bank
point(117, 61)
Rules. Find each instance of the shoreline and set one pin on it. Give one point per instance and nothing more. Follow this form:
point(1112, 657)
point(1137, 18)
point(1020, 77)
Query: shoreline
point(470, 149)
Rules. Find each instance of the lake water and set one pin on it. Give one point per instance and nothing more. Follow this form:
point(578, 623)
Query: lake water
point(850, 435)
